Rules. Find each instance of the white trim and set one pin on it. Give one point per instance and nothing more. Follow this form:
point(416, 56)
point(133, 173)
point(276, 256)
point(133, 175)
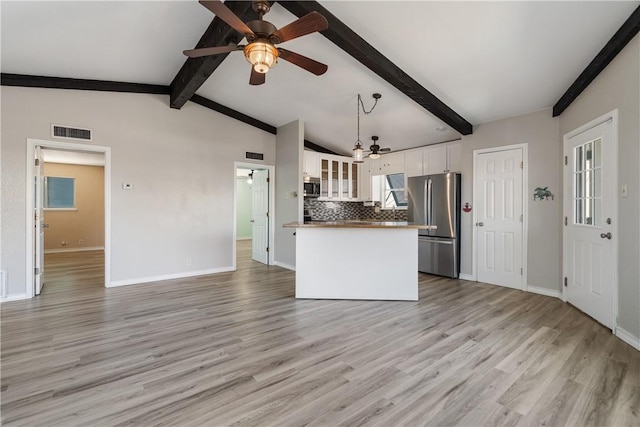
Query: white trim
point(627, 337)
point(544, 291)
point(14, 297)
point(469, 277)
point(243, 238)
point(272, 207)
point(525, 208)
point(68, 146)
point(613, 118)
point(284, 265)
point(151, 279)
point(85, 249)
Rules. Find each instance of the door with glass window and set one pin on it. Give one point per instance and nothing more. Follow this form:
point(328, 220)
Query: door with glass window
point(589, 209)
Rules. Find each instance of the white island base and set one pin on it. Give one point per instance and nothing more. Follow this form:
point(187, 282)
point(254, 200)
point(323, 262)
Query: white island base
point(357, 263)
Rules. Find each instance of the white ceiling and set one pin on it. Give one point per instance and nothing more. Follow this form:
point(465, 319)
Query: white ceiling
point(486, 60)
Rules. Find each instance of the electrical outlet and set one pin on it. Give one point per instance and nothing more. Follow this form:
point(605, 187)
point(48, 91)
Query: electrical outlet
point(81, 242)
point(188, 261)
point(376, 209)
point(127, 186)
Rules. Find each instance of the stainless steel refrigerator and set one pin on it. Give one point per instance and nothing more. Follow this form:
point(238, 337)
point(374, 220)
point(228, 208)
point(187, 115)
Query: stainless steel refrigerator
point(435, 200)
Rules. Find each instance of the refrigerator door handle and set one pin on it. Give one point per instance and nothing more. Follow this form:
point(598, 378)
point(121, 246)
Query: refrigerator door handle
point(440, 242)
point(429, 200)
point(424, 199)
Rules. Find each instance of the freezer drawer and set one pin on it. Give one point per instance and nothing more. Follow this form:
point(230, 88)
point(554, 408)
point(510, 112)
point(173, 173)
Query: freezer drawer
point(438, 256)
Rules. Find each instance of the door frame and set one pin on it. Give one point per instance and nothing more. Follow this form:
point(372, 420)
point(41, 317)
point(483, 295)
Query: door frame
point(67, 146)
point(272, 204)
point(525, 208)
point(613, 117)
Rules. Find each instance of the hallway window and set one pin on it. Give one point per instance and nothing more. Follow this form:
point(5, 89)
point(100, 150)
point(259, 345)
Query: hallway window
point(59, 193)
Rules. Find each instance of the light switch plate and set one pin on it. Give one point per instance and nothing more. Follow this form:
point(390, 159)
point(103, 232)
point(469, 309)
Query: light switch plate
point(127, 186)
point(623, 191)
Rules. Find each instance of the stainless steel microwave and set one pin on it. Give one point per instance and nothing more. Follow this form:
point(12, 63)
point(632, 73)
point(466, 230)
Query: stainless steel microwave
point(311, 187)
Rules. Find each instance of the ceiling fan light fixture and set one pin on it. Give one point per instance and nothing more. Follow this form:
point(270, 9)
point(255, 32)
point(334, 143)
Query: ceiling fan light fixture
point(374, 156)
point(262, 55)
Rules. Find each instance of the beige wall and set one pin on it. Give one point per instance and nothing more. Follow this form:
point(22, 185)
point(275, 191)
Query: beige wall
point(618, 87)
point(178, 219)
point(540, 131)
point(86, 223)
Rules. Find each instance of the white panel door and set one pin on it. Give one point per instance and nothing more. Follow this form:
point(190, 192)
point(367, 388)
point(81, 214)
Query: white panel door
point(260, 216)
point(589, 208)
point(499, 221)
point(38, 235)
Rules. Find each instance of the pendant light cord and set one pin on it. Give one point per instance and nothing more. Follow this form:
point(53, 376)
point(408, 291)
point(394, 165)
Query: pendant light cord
point(364, 110)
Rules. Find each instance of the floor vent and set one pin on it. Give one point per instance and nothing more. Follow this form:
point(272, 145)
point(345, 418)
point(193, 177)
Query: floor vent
point(66, 132)
point(253, 156)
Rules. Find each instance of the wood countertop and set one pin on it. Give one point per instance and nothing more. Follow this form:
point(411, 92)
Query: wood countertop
point(358, 224)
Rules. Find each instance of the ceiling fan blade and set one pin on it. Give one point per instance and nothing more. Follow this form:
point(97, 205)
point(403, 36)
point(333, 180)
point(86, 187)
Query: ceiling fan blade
point(256, 78)
point(205, 51)
point(308, 64)
point(224, 13)
point(309, 23)
point(384, 150)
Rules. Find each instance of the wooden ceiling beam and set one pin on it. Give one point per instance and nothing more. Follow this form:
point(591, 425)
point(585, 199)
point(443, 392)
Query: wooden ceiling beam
point(346, 39)
point(196, 71)
point(627, 31)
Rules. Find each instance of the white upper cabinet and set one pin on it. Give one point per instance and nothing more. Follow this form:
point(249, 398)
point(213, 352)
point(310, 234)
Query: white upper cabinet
point(391, 163)
point(413, 163)
point(454, 157)
point(434, 160)
point(365, 180)
point(339, 178)
point(311, 164)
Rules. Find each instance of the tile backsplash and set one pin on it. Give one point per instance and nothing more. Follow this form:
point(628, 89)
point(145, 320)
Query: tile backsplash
point(335, 211)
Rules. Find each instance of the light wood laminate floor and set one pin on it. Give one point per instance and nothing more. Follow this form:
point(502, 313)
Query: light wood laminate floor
point(238, 349)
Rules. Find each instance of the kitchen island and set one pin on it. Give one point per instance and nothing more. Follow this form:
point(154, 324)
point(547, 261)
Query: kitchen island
point(357, 260)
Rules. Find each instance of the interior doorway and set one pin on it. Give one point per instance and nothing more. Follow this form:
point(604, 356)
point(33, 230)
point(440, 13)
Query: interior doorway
point(73, 221)
point(68, 205)
point(254, 219)
point(500, 225)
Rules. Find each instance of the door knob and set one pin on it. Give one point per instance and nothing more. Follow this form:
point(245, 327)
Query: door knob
point(480, 224)
point(252, 221)
point(45, 225)
point(606, 235)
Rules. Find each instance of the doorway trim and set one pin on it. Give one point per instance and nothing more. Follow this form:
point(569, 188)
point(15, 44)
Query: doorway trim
point(272, 204)
point(525, 208)
point(67, 146)
point(613, 116)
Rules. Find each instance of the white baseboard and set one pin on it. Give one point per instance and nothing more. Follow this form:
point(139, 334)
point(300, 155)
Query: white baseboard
point(150, 279)
point(14, 297)
point(628, 338)
point(83, 249)
point(284, 265)
point(544, 291)
point(468, 277)
point(243, 238)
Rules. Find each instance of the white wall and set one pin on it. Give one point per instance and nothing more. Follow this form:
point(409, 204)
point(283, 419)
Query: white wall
point(618, 86)
point(289, 152)
point(181, 163)
point(540, 131)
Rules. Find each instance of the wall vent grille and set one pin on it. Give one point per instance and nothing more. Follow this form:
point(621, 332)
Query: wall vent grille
point(66, 132)
point(253, 156)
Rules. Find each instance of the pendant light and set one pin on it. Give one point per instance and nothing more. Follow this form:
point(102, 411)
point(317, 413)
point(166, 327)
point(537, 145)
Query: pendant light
point(358, 152)
point(250, 177)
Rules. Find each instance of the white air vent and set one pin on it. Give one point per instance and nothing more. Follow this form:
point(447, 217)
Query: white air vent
point(66, 132)
point(253, 156)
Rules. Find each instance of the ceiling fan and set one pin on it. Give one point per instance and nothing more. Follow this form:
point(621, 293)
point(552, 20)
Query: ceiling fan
point(375, 150)
point(262, 36)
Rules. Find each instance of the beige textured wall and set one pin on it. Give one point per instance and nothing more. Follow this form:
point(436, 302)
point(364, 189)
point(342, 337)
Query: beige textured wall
point(86, 223)
point(618, 87)
point(540, 131)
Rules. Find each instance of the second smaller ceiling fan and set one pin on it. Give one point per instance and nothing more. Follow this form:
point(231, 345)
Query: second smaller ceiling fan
point(262, 36)
point(375, 150)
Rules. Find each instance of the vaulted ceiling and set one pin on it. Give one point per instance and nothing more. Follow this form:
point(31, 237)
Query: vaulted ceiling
point(483, 60)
